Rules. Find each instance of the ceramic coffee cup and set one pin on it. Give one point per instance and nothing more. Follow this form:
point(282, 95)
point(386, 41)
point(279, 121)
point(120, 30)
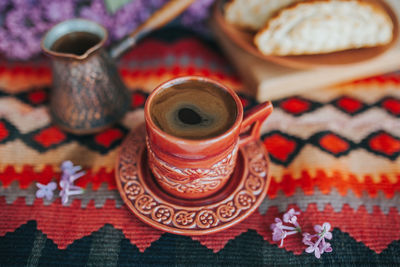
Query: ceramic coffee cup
point(196, 168)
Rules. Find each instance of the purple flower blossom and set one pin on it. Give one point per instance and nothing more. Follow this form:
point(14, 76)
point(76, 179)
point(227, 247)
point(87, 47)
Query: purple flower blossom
point(22, 26)
point(59, 10)
point(4, 4)
point(70, 174)
point(290, 217)
point(320, 245)
point(196, 15)
point(280, 231)
point(127, 19)
point(23, 22)
point(68, 189)
point(45, 191)
point(97, 11)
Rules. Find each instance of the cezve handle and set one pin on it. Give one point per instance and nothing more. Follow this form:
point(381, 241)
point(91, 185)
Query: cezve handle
point(158, 19)
point(252, 121)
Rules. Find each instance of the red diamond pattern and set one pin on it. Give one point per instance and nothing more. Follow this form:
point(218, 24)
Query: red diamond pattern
point(108, 137)
point(280, 147)
point(37, 97)
point(295, 105)
point(385, 144)
point(349, 105)
point(50, 136)
point(3, 131)
point(392, 105)
point(138, 99)
point(334, 144)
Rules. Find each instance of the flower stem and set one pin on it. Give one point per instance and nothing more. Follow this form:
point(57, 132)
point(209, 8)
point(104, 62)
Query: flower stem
point(284, 227)
point(291, 233)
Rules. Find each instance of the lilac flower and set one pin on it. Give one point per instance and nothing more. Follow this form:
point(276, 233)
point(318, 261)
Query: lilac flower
point(196, 15)
point(290, 217)
point(127, 19)
point(97, 11)
point(320, 245)
point(45, 191)
point(280, 231)
point(132, 14)
point(22, 26)
point(70, 174)
point(23, 22)
point(68, 189)
point(4, 4)
point(59, 10)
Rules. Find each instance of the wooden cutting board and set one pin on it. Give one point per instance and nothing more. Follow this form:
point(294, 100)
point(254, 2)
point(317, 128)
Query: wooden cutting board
point(267, 81)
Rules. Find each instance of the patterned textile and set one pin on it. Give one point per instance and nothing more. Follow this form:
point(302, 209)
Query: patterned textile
point(334, 156)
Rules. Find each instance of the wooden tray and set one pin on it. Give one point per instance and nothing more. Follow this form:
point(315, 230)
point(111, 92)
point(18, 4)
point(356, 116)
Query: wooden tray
point(275, 77)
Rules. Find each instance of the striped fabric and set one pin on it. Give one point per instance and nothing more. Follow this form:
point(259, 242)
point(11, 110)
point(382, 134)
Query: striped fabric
point(334, 156)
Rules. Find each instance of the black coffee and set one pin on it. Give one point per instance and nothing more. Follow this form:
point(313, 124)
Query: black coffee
point(194, 110)
point(75, 43)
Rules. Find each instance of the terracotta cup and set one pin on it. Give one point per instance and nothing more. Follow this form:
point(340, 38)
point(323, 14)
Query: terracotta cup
point(194, 169)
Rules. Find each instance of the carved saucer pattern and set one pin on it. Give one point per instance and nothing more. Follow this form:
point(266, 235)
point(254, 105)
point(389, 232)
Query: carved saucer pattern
point(227, 207)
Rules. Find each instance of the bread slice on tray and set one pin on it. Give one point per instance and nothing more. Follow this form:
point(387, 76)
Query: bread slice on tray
point(253, 14)
point(324, 26)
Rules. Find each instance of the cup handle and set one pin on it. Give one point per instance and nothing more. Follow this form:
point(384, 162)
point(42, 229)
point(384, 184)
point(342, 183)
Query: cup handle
point(252, 121)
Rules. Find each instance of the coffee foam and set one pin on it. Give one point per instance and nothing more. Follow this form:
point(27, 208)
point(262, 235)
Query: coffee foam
point(215, 107)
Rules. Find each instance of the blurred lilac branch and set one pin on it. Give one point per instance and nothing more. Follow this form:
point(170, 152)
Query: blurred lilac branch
point(23, 22)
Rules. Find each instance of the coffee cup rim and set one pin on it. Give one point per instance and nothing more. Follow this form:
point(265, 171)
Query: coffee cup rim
point(166, 84)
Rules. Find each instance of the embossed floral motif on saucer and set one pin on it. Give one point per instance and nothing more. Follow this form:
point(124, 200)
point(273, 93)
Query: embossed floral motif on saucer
point(232, 204)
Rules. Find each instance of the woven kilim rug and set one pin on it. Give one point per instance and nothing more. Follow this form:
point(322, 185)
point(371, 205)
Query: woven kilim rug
point(334, 157)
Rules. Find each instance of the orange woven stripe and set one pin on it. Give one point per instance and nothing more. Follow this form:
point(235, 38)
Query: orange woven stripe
point(325, 183)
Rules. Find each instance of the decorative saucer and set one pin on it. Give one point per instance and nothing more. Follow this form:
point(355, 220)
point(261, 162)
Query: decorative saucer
point(232, 204)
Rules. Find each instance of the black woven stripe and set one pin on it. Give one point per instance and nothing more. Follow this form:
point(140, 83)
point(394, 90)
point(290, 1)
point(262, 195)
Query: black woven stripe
point(314, 140)
point(89, 141)
point(247, 249)
point(313, 105)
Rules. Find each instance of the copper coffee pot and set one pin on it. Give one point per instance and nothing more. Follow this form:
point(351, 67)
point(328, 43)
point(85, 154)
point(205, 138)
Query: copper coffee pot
point(88, 94)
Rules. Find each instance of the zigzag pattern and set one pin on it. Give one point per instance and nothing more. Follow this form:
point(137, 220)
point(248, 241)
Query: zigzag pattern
point(40, 97)
point(329, 118)
point(295, 105)
point(298, 106)
point(380, 142)
point(12, 192)
point(248, 249)
point(99, 196)
point(288, 184)
point(283, 148)
point(56, 227)
point(333, 198)
point(50, 137)
point(326, 182)
point(28, 176)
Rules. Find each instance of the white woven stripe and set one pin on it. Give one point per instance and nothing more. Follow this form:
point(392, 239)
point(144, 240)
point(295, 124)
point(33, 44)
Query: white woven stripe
point(329, 118)
point(367, 92)
point(358, 162)
point(27, 118)
point(23, 116)
point(19, 154)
